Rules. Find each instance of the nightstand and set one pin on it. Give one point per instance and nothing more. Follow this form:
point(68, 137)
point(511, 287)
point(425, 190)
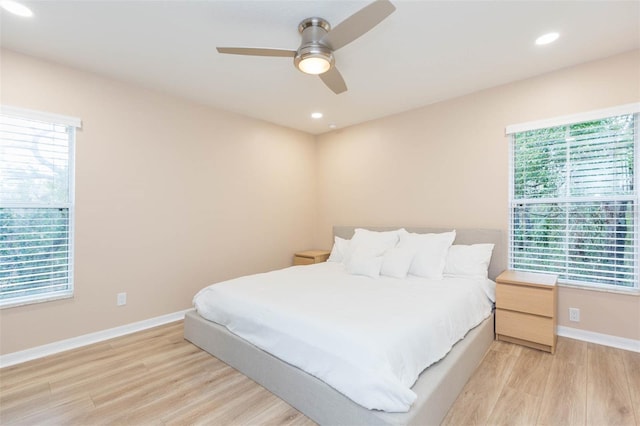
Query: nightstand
point(310, 257)
point(526, 309)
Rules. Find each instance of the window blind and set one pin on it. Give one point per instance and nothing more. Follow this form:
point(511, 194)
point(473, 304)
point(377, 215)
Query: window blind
point(36, 209)
point(574, 201)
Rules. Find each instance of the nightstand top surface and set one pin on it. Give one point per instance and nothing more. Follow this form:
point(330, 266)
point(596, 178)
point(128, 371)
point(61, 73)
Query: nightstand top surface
point(527, 278)
point(313, 253)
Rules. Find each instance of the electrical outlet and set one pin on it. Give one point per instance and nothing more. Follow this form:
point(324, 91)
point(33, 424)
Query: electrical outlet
point(122, 299)
point(574, 314)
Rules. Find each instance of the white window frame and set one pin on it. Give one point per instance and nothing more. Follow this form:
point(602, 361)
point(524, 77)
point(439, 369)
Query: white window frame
point(633, 108)
point(74, 124)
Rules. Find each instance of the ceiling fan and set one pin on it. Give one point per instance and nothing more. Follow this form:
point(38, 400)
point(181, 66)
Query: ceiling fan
point(319, 41)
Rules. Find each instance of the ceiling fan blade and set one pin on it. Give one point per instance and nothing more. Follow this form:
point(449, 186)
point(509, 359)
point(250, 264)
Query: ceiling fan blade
point(334, 81)
point(257, 51)
point(358, 24)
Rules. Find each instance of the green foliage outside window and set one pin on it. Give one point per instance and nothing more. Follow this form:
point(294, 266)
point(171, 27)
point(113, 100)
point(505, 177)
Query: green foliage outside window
point(35, 209)
point(574, 202)
point(34, 251)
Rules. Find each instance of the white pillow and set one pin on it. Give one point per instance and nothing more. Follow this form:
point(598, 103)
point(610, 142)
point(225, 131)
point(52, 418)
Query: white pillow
point(366, 262)
point(396, 262)
point(430, 252)
point(468, 261)
point(374, 241)
point(340, 247)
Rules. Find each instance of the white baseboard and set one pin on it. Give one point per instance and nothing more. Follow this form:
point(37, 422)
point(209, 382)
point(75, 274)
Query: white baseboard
point(99, 336)
point(87, 339)
point(601, 339)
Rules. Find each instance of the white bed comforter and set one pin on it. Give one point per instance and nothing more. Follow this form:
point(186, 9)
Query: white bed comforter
point(367, 338)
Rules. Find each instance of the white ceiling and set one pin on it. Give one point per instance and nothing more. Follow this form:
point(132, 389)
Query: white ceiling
point(425, 52)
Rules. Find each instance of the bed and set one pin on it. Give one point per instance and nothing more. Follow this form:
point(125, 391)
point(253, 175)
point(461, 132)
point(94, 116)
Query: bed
point(435, 388)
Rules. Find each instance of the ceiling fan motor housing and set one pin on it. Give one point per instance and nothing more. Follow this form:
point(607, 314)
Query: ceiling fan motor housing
point(312, 30)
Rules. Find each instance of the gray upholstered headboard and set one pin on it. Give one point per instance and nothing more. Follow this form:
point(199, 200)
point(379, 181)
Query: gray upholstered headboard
point(463, 236)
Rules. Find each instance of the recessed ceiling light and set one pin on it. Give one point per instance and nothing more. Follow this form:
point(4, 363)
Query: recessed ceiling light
point(547, 38)
point(16, 8)
point(333, 126)
point(316, 115)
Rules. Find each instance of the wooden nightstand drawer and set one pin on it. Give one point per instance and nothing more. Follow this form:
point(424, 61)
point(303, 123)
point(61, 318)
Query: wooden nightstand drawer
point(528, 327)
point(310, 257)
point(533, 300)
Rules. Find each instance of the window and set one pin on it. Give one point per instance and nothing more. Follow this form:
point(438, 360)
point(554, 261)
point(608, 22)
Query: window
point(36, 206)
point(574, 198)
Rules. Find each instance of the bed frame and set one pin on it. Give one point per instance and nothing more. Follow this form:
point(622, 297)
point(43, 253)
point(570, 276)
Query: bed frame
point(436, 388)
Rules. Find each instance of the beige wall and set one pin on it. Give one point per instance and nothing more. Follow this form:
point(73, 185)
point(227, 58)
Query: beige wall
point(447, 165)
point(163, 186)
point(170, 196)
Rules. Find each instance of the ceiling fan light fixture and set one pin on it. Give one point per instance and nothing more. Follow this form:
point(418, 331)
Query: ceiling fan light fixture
point(314, 66)
point(314, 60)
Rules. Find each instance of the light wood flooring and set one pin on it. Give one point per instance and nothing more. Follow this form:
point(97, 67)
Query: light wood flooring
point(156, 377)
point(582, 384)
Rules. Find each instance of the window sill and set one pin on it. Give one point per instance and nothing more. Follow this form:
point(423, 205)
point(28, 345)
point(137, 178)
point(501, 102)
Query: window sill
point(629, 292)
point(32, 301)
